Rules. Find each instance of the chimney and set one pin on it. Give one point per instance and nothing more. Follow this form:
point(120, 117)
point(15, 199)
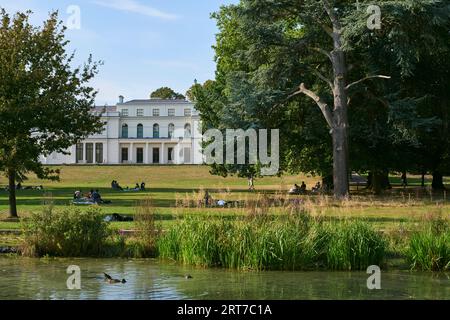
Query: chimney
point(121, 99)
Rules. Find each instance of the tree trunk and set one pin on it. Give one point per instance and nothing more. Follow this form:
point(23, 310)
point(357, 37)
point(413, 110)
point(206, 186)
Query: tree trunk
point(423, 180)
point(438, 181)
point(379, 181)
point(340, 120)
point(12, 194)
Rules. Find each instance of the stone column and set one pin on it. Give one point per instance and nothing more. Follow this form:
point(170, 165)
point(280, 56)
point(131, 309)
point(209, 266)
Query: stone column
point(162, 153)
point(94, 150)
point(146, 154)
point(131, 153)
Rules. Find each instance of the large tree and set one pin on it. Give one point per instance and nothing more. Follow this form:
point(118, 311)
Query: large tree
point(45, 103)
point(275, 58)
point(167, 94)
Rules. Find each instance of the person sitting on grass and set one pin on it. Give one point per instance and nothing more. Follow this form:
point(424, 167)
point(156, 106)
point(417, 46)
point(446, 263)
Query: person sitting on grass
point(77, 195)
point(303, 188)
point(295, 189)
point(317, 187)
point(143, 186)
point(96, 198)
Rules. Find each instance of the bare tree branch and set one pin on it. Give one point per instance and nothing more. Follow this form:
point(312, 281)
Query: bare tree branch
point(330, 11)
point(366, 78)
point(322, 105)
point(322, 51)
point(321, 76)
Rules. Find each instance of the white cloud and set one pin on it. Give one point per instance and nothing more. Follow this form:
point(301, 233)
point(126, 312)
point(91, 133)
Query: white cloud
point(136, 7)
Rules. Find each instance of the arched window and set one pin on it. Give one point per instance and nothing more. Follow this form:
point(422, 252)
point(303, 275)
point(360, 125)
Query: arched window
point(171, 130)
point(156, 130)
point(124, 130)
point(140, 131)
point(187, 130)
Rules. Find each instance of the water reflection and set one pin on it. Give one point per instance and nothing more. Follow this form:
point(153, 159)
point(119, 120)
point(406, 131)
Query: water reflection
point(22, 278)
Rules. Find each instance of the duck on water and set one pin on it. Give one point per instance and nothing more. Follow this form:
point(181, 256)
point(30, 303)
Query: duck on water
point(110, 280)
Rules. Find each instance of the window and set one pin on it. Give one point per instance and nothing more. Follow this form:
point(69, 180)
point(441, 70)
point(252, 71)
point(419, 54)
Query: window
point(80, 152)
point(156, 112)
point(171, 112)
point(140, 155)
point(99, 153)
point(125, 131)
point(140, 112)
point(187, 130)
point(156, 130)
point(187, 112)
point(89, 152)
point(124, 155)
point(140, 131)
point(124, 112)
point(155, 155)
point(170, 154)
point(171, 130)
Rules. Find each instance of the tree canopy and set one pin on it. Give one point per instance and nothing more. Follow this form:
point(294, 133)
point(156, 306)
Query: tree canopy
point(167, 94)
point(45, 103)
point(312, 68)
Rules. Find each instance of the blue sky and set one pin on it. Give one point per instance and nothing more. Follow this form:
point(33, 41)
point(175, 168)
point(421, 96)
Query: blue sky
point(145, 44)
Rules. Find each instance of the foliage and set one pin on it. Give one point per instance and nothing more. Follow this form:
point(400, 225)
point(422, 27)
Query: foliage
point(284, 243)
point(429, 248)
point(45, 105)
point(69, 232)
point(166, 93)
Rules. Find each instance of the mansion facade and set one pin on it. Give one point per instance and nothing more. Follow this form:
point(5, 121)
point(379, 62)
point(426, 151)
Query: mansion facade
point(153, 131)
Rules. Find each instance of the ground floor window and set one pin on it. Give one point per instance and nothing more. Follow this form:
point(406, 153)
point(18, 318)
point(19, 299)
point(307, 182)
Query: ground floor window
point(124, 155)
point(140, 155)
point(99, 152)
point(89, 152)
point(170, 154)
point(155, 155)
point(79, 153)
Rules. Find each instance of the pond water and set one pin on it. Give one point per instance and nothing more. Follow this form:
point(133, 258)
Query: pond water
point(22, 278)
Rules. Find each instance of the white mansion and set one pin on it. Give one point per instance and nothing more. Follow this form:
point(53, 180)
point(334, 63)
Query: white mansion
point(153, 131)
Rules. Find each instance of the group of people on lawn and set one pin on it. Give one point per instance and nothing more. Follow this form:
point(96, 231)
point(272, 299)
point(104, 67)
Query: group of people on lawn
point(138, 187)
point(296, 189)
point(93, 197)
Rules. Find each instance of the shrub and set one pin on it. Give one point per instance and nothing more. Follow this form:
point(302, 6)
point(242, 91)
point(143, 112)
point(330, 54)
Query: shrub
point(69, 232)
point(429, 249)
point(353, 245)
point(282, 243)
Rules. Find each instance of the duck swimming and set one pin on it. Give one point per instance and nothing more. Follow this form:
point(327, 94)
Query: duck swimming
point(110, 280)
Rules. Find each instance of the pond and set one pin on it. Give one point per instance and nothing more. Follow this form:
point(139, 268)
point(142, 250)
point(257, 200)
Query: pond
point(23, 278)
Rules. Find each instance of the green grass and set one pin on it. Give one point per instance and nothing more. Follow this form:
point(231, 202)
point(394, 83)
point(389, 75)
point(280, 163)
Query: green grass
point(166, 184)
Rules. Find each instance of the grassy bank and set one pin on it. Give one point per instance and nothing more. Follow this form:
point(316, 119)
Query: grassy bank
point(295, 241)
point(177, 191)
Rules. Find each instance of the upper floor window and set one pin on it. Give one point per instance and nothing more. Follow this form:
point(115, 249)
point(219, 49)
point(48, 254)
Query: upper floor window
point(187, 130)
point(124, 130)
point(171, 130)
point(171, 112)
point(124, 113)
point(140, 112)
point(140, 131)
point(156, 112)
point(187, 112)
point(156, 130)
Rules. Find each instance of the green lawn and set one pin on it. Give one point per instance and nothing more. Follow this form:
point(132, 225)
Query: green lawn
point(166, 184)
